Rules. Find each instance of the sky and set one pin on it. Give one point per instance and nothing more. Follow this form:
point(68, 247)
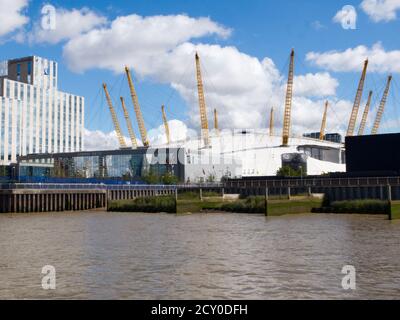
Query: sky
point(244, 47)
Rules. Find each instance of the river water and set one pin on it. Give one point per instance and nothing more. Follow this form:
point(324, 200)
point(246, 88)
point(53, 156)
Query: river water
point(99, 255)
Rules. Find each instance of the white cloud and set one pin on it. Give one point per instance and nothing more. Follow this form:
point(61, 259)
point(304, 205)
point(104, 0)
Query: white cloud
point(178, 132)
point(136, 41)
point(307, 115)
point(347, 17)
point(315, 85)
point(236, 84)
point(69, 24)
point(317, 25)
point(99, 140)
point(352, 59)
point(11, 15)
point(241, 87)
point(381, 10)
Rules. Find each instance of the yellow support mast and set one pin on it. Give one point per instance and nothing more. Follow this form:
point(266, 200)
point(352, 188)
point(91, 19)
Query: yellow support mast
point(202, 103)
point(166, 125)
point(138, 112)
point(117, 127)
point(129, 124)
point(365, 115)
point(357, 101)
point(323, 125)
point(216, 127)
point(381, 109)
point(271, 122)
point(288, 103)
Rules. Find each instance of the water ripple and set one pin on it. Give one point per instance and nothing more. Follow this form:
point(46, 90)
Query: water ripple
point(98, 255)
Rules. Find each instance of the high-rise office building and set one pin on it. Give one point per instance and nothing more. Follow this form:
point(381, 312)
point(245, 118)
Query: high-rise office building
point(34, 116)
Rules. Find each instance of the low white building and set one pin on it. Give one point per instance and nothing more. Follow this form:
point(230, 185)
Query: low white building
point(259, 154)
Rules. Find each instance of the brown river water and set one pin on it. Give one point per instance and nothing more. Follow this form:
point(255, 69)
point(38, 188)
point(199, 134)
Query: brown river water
point(99, 255)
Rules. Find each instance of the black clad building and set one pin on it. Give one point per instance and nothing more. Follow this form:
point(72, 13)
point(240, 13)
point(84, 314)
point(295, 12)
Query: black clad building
point(373, 153)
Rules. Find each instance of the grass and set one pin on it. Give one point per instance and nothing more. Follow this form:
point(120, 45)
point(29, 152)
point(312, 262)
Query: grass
point(395, 210)
point(191, 195)
point(357, 206)
point(188, 206)
point(253, 204)
point(282, 207)
point(189, 202)
point(148, 204)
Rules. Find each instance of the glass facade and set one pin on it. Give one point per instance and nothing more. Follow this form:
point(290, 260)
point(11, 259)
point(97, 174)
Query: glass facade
point(118, 166)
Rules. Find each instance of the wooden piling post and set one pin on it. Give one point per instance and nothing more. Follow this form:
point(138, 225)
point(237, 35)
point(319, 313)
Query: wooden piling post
point(389, 198)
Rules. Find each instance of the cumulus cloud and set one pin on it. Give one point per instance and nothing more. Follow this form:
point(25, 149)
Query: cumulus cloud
point(136, 41)
point(315, 85)
point(381, 10)
point(11, 15)
point(99, 140)
point(307, 115)
point(69, 24)
point(352, 59)
point(347, 16)
point(241, 87)
point(179, 131)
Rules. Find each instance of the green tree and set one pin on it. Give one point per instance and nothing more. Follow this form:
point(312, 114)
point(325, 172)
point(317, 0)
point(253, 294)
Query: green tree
point(211, 178)
point(150, 177)
point(169, 179)
point(287, 171)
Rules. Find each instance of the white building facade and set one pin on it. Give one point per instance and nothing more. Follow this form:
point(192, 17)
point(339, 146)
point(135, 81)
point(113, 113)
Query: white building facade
point(34, 116)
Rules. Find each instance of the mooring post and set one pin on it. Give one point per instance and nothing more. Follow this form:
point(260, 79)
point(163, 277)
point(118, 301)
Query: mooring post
point(389, 197)
point(176, 200)
point(266, 201)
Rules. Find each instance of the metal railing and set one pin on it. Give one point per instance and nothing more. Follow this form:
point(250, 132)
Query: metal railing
point(315, 182)
point(78, 186)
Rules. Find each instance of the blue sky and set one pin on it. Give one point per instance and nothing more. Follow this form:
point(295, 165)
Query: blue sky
point(258, 29)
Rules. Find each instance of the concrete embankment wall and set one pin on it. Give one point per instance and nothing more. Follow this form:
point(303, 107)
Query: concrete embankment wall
point(48, 200)
point(13, 201)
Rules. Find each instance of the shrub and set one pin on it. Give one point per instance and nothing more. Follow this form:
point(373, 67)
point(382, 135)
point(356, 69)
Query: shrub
point(252, 204)
point(148, 204)
point(358, 206)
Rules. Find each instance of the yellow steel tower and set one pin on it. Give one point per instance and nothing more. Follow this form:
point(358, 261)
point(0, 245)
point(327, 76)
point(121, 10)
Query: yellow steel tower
point(138, 112)
point(166, 126)
point(323, 125)
point(129, 124)
point(381, 107)
point(365, 115)
point(114, 118)
point(271, 122)
point(216, 127)
point(357, 101)
point(288, 103)
point(202, 103)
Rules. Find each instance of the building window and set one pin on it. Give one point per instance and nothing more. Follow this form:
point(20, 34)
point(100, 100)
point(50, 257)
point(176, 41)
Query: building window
point(8, 89)
point(15, 91)
point(18, 72)
point(29, 72)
